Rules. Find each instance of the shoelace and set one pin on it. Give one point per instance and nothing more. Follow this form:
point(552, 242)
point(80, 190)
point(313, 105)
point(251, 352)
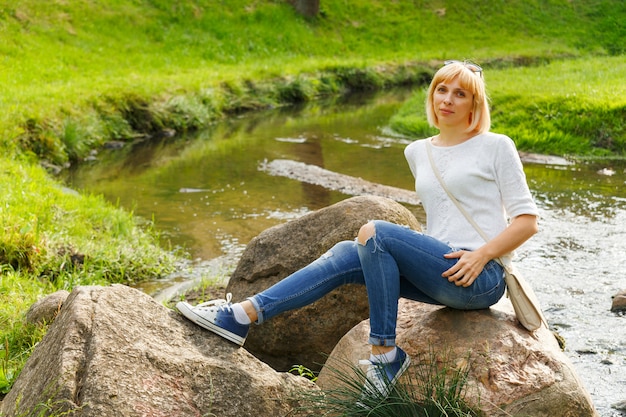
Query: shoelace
point(374, 370)
point(375, 378)
point(221, 304)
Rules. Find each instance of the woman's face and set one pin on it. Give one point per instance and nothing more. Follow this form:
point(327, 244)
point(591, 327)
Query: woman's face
point(453, 104)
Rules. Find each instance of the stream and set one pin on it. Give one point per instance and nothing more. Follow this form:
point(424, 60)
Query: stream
point(207, 194)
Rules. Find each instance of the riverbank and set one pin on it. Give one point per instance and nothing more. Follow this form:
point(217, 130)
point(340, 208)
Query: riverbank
point(78, 76)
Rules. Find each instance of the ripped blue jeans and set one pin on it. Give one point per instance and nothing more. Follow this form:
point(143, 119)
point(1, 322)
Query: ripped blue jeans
point(395, 262)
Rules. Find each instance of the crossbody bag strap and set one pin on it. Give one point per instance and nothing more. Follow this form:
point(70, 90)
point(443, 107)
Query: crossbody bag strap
point(454, 200)
point(524, 300)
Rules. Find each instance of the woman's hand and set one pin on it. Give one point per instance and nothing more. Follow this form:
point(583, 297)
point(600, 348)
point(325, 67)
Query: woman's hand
point(471, 263)
point(466, 270)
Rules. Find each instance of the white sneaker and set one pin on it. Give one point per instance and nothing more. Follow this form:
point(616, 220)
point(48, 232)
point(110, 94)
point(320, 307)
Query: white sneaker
point(216, 316)
point(381, 377)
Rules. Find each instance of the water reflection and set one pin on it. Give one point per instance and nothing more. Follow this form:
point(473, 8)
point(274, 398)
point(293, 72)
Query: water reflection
point(206, 193)
point(596, 190)
point(233, 201)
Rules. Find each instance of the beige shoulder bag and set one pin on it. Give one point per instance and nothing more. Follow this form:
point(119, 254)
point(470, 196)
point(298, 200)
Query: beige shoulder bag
point(521, 294)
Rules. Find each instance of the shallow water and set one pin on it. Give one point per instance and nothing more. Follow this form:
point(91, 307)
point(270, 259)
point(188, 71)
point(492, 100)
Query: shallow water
point(207, 194)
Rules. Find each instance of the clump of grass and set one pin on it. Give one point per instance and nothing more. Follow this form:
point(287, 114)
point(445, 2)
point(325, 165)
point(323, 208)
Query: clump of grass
point(359, 79)
point(298, 90)
point(563, 126)
point(432, 387)
point(17, 338)
point(18, 248)
point(47, 230)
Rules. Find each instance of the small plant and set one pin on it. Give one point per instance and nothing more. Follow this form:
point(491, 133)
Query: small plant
point(303, 371)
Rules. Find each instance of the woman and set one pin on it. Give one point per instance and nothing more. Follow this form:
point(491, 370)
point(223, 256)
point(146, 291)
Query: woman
point(450, 264)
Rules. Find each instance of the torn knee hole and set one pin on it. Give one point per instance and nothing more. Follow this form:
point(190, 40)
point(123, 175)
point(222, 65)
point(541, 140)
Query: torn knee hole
point(366, 232)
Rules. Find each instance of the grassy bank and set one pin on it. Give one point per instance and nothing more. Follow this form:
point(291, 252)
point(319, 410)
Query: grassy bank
point(76, 74)
point(79, 73)
point(566, 107)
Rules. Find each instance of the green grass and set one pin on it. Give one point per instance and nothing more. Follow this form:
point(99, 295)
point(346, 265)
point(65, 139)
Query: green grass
point(567, 107)
point(57, 234)
point(18, 338)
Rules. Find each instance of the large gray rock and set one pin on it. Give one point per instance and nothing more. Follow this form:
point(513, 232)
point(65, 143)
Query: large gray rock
point(306, 336)
point(511, 371)
point(114, 351)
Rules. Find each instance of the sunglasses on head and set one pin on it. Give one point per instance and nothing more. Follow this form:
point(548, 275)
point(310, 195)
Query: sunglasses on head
point(475, 68)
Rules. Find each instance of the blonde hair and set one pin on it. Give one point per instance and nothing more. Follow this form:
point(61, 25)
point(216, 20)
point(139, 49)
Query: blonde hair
point(472, 81)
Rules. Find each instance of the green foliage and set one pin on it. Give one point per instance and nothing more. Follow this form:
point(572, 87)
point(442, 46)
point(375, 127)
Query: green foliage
point(303, 371)
point(296, 91)
point(17, 339)
point(565, 107)
point(359, 79)
point(18, 248)
point(563, 126)
point(50, 231)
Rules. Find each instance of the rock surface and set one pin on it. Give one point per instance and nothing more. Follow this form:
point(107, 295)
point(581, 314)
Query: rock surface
point(618, 304)
point(306, 336)
point(511, 371)
point(313, 174)
point(114, 351)
point(46, 309)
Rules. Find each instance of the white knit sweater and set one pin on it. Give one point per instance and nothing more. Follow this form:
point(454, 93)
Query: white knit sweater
point(485, 175)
